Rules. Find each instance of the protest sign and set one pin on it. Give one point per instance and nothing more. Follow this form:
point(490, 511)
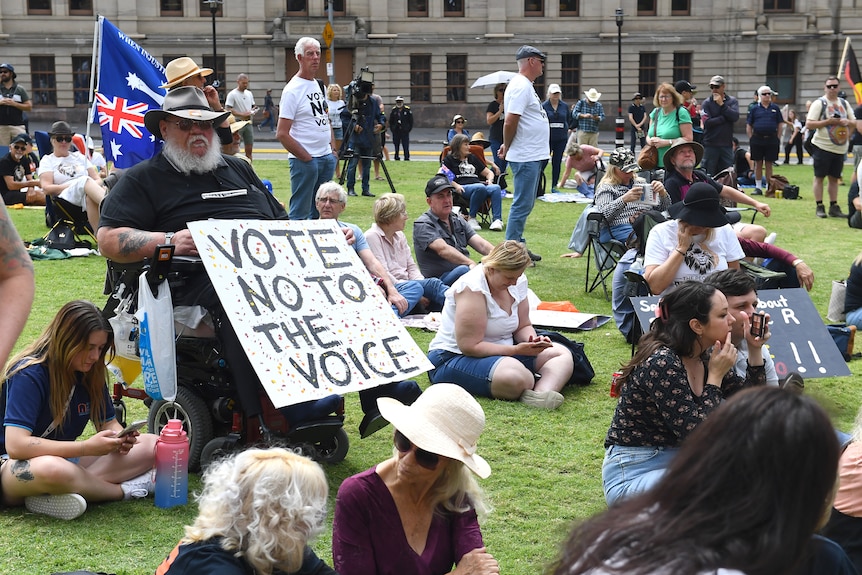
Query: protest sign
point(799, 342)
point(309, 315)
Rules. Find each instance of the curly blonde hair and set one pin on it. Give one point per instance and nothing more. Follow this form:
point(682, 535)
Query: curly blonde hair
point(264, 504)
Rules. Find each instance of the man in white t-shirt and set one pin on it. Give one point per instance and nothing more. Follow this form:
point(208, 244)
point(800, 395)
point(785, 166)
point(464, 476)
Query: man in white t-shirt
point(305, 132)
point(526, 136)
point(240, 103)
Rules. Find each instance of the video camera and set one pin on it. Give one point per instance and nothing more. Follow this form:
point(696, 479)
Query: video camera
point(359, 89)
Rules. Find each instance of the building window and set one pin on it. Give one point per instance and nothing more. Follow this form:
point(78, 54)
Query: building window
point(81, 7)
point(337, 7)
point(81, 79)
point(297, 7)
point(417, 8)
point(205, 9)
point(648, 74)
point(681, 66)
point(453, 7)
point(646, 7)
point(781, 75)
point(38, 6)
point(44, 80)
point(456, 77)
point(778, 6)
point(218, 74)
point(172, 8)
point(570, 77)
point(680, 8)
point(420, 78)
point(568, 8)
point(534, 8)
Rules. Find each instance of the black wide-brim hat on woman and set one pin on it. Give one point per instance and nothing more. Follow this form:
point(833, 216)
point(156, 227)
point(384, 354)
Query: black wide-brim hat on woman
point(700, 207)
point(186, 102)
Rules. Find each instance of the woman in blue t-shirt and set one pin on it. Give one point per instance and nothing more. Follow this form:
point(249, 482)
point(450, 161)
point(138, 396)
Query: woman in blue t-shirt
point(55, 386)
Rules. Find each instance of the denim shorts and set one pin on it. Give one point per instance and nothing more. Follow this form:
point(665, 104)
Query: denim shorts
point(472, 373)
point(630, 470)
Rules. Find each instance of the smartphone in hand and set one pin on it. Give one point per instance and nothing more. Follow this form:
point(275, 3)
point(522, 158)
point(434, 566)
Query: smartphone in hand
point(134, 426)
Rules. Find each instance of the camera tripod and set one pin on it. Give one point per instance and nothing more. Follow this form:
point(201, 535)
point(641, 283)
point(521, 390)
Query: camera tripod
point(346, 153)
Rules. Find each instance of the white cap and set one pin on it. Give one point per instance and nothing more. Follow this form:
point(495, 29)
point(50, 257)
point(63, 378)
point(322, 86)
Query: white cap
point(554, 89)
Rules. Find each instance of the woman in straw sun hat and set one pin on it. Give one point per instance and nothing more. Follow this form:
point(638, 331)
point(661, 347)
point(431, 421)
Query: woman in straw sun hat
point(416, 512)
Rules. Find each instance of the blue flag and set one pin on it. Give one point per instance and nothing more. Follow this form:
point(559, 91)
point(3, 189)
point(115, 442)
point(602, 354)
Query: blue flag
point(129, 80)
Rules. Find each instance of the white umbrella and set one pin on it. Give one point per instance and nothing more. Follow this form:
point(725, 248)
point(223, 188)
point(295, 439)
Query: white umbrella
point(492, 79)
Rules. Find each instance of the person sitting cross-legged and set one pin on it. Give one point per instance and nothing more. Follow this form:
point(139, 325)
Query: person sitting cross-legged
point(475, 181)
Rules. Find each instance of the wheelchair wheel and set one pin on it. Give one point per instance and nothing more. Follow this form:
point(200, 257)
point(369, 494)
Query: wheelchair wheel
point(333, 450)
point(218, 448)
point(192, 411)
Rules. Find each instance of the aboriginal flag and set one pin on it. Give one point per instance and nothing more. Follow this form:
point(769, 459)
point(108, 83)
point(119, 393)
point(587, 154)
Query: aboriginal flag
point(851, 73)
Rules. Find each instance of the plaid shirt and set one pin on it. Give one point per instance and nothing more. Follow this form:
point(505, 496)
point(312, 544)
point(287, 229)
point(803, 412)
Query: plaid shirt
point(586, 107)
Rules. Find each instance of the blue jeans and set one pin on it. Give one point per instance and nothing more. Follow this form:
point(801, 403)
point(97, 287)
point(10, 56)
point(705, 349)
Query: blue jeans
point(449, 277)
point(495, 145)
point(414, 290)
point(854, 318)
point(619, 232)
point(716, 158)
point(629, 471)
point(472, 373)
point(270, 121)
point(366, 152)
point(305, 178)
point(526, 182)
point(478, 193)
point(557, 149)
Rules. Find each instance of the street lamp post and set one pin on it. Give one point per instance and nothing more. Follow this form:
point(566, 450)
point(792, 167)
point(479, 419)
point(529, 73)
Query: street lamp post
point(214, 8)
point(620, 124)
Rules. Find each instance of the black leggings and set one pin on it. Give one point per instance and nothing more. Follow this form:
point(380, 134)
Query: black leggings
point(789, 146)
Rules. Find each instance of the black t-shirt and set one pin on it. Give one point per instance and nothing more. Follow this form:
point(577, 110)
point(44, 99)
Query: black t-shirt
point(20, 171)
point(856, 140)
point(154, 196)
point(209, 557)
point(467, 171)
point(740, 163)
point(637, 112)
point(677, 186)
point(496, 133)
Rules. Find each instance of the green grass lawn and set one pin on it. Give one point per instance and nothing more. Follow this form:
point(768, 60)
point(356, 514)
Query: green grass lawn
point(546, 465)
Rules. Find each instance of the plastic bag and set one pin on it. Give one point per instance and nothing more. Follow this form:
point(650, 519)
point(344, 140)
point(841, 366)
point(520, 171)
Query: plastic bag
point(156, 340)
point(125, 327)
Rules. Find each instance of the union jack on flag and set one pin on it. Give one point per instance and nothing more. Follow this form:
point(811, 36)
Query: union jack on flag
point(129, 80)
point(121, 114)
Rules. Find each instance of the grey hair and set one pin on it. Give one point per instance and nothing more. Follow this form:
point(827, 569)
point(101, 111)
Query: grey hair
point(327, 188)
point(302, 43)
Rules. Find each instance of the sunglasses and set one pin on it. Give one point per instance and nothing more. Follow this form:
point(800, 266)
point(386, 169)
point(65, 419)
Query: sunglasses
point(185, 124)
point(831, 86)
point(20, 148)
point(424, 458)
point(65, 139)
point(459, 121)
point(714, 87)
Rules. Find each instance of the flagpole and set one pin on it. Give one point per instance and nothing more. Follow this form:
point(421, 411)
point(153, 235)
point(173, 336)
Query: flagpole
point(91, 104)
point(843, 57)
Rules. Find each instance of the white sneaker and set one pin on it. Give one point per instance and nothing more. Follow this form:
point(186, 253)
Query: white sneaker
point(64, 506)
point(542, 399)
point(770, 239)
point(496, 226)
point(138, 487)
point(474, 225)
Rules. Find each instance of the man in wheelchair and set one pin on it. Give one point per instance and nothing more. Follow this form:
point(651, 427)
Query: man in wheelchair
point(191, 180)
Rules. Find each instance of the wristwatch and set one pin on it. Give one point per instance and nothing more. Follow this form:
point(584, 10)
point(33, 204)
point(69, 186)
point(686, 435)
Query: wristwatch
point(169, 236)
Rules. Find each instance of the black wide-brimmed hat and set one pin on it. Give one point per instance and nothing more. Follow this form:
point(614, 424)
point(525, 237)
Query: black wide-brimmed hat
point(184, 102)
point(60, 128)
point(700, 207)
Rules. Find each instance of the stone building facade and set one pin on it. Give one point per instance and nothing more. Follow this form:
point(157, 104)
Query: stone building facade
point(430, 51)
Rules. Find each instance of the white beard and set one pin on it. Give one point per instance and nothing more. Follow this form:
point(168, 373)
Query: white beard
point(187, 162)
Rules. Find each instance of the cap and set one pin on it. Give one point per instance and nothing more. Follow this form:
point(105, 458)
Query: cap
point(439, 183)
point(716, 80)
point(554, 89)
point(764, 90)
point(399, 99)
point(624, 159)
point(527, 51)
point(637, 95)
point(10, 68)
point(684, 86)
point(22, 138)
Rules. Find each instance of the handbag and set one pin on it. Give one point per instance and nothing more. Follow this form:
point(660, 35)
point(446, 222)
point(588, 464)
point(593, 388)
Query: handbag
point(583, 373)
point(648, 157)
point(844, 337)
point(790, 192)
point(156, 339)
point(836, 302)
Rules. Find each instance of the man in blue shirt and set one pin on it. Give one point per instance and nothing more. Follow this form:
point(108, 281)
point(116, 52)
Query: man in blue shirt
point(762, 128)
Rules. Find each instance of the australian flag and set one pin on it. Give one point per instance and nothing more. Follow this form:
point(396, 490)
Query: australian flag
point(129, 80)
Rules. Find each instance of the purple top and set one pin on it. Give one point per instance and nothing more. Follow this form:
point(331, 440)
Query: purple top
point(368, 537)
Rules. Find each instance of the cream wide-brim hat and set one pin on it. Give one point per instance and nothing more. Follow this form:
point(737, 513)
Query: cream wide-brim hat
point(445, 420)
point(181, 68)
point(593, 95)
point(184, 102)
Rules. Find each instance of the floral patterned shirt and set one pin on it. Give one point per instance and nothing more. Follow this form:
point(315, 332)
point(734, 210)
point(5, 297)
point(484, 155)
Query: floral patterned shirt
point(657, 407)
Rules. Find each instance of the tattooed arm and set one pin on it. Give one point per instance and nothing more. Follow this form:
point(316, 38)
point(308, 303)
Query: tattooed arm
point(129, 245)
point(16, 285)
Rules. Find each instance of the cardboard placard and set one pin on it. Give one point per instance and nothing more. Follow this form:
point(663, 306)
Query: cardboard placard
point(799, 342)
point(308, 314)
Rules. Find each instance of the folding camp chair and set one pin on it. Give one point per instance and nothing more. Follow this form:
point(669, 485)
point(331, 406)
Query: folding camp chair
point(484, 214)
point(604, 255)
